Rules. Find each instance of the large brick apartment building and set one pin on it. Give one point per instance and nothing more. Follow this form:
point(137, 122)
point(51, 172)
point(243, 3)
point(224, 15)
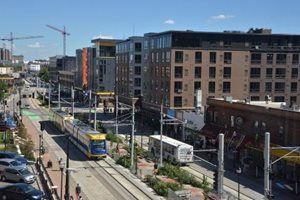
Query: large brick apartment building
point(169, 67)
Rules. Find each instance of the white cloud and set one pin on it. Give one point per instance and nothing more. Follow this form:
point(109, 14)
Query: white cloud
point(103, 37)
point(221, 17)
point(35, 45)
point(169, 21)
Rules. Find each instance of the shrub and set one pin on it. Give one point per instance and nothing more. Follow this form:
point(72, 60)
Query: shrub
point(161, 187)
point(26, 150)
point(124, 161)
point(113, 138)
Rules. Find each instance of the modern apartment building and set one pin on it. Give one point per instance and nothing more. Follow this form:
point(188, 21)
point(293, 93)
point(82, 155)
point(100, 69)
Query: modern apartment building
point(243, 65)
point(130, 67)
point(96, 66)
point(4, 55)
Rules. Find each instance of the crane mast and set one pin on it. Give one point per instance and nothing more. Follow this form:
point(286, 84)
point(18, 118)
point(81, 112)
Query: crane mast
point(12, 38)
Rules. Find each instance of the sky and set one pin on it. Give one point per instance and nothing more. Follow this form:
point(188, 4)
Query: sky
point(120, 19)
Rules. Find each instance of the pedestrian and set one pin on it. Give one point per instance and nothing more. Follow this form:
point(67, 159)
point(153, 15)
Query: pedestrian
point(77, 190)
point(80, 198)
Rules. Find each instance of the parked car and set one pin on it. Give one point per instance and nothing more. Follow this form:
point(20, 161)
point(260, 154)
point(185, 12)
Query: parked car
point(20, 191)
point(8, 162)
point(13, 155)
point(18, 174)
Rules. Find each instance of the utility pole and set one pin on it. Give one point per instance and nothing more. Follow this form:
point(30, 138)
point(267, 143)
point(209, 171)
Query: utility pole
point(267, 166)
point(117, 110)
point(95, 116)
point(20, 89)
point(72, 97)
point(67, 187)
point(220, 165)
point(90, 106)
point(59, 106)
point(49, 93)
point(161, 134)
point(132, 134)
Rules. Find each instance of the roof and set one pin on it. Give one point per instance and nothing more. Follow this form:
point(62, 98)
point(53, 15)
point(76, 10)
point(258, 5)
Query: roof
point(170, 141)
point(83, 126)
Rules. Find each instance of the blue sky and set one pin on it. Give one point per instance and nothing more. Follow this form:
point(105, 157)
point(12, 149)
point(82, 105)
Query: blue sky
point(119, 19)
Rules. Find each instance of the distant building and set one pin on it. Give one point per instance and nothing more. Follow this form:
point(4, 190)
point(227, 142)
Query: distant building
point(60, 63)
point(175, 64)
point(6, 70)
point(4, 56)
point(37, 65)
point(96, 66)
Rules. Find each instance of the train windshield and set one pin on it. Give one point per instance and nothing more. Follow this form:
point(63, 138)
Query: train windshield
point(98, 144)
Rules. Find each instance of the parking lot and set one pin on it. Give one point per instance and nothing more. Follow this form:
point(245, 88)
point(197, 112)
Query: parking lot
point(35, 184)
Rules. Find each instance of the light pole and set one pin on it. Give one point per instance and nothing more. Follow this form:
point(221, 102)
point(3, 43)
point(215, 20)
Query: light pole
point(132, 134)
point(238, 171)
point(49, 93)
point(161, 134)
point(67, 187)
point(61, 167)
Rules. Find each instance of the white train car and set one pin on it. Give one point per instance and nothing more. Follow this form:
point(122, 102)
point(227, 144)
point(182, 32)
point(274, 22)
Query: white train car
point(174, 151)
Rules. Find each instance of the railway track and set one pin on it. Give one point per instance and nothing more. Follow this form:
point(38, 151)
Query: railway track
point(128, 181)
point(227, 187)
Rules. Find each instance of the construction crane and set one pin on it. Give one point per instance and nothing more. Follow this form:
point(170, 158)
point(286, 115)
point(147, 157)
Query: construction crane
point(12, 38)
point(64, 33)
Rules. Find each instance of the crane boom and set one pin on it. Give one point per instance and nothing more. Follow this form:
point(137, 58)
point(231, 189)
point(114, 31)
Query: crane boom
point(11, 40)
point(64, 33)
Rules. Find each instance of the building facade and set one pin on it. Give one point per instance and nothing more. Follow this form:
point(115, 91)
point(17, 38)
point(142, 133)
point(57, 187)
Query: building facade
point(238, 64)
point(60, 63)
point(4, 56)
point(130, 68)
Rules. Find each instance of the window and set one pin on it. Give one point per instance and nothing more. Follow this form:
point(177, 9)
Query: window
point(280, 73)
point(178, 56)
point(281, 59)
point(212, 57)
point(254, 86)
point(227, 72)
point(137, 82)
point(197, 86)
point(212, 72)
point(138, 46)
point(137, 93)
point(279, 87)
point(294, 87)
point(294, 73)
point(137, 70)
point(255, 58)
point(178, 87)
point(178, 72)
point(211, 87)
point(255, 73)
point(293, 99)
point(197, 72)
point(137, 58)
point(269, 73)
point(227, 58)
point(226, 87)
point(279, 99)
point(254, 98)
point(268, 87)
point(269, 58)
point(295, 59)
point(198, 57)
point(177, 101)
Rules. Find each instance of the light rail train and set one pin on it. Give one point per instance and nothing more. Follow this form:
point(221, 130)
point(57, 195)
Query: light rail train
point(92, 143)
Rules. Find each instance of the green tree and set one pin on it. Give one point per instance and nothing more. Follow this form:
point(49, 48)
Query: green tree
point(44, 74)
point(3, 89)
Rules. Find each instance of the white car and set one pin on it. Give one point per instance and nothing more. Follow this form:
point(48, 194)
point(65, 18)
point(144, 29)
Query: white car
point(7, 162)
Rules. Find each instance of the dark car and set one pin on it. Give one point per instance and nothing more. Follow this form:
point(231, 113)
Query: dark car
point(13, 155)
point(20, 191)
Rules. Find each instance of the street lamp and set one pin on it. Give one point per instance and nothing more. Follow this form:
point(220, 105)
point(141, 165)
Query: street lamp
point(239, 171)
point(61, 167)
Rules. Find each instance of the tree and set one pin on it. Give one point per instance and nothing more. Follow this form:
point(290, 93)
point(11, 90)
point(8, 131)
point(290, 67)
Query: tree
point(3, 89)
point(44, 74)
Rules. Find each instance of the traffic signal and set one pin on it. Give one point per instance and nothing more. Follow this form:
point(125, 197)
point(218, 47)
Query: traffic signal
point(215, 178)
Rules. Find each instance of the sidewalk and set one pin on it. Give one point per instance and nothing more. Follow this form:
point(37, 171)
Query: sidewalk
point(54, 172)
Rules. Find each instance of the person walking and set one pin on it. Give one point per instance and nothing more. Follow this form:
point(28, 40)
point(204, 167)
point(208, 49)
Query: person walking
point(78, 191)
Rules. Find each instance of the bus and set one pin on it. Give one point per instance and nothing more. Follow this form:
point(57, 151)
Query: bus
point(174, 151)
